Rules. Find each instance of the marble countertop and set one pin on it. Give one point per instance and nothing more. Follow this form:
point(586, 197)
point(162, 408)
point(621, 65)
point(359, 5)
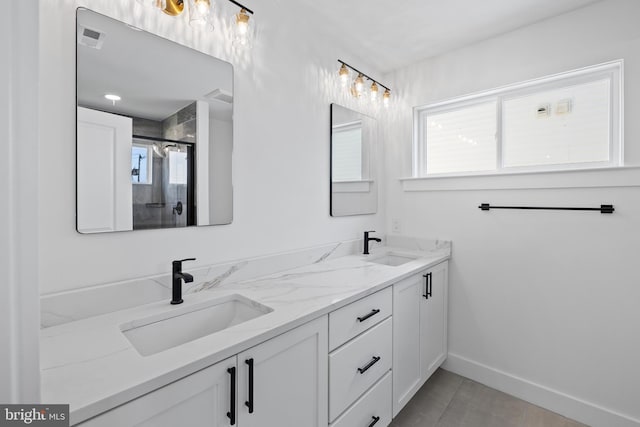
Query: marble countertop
point(91, 365)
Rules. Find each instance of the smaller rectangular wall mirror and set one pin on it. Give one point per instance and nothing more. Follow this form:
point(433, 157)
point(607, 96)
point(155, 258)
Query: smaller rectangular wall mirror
point(154, 130)
point(354, 186)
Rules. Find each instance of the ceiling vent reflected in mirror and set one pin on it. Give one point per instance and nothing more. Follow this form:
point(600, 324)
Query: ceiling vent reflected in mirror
point(90, 38)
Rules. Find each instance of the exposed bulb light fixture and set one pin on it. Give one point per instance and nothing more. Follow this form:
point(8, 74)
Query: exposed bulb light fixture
point(242, 26)
point(357, 88)
point(374, 92)
point(344, 75)
point(358, 84)
point(386, 97)
point(202, 5)
point(201, 16)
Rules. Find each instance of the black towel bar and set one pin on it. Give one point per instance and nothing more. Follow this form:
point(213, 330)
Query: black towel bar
point(605, 209)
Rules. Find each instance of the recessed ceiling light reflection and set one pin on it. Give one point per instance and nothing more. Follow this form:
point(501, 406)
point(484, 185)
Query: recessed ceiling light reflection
point(112, 97)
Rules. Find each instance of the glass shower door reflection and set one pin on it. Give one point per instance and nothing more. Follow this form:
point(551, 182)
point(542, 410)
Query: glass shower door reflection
point(166, 200)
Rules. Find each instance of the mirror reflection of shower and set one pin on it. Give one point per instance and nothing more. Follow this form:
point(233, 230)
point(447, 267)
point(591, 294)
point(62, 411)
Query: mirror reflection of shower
point(162, 175)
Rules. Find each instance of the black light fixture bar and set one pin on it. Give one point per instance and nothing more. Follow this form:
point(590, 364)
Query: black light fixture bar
point(605, 209)
point(241, 6)
point(360, 72)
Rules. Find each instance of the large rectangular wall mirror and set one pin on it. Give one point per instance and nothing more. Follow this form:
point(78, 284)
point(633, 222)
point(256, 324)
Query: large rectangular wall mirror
point(354, 184)
point(154, 131)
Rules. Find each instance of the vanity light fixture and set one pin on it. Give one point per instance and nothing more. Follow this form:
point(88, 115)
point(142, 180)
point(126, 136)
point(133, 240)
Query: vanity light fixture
point(357, 88)
point(242, 26)
point(344, 75)
point(358, 84)
point(374, 92)
point(201, 16)
point(386, 97)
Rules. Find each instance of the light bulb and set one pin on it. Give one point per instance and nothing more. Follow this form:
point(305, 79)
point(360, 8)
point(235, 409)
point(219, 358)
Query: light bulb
point(202, 6)
point(386, 97)
point(359, 84)
point(344, 75)
point(242, 22)
point(374, 92)
point(241, 31)
point(200, 14)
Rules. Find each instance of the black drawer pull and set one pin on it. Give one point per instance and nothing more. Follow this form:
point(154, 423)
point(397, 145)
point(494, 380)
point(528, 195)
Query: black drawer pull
point(249, 403)
point(366, 367)
point(428, 282)
point(366, 316)
point(375, 420)
point(232, 412)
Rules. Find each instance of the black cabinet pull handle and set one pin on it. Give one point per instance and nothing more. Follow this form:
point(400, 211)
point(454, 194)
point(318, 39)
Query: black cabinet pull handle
point(366, 316)
point(366, 367)
point(249, 403)
point(232, 404)
point(426, 286)
point(428, 282)
point(375, 420)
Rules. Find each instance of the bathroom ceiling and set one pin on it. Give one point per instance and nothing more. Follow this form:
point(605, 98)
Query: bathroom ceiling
point(398, 33)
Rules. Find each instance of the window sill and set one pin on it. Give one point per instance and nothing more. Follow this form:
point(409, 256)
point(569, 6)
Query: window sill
point(362, 186)
point(627, 176)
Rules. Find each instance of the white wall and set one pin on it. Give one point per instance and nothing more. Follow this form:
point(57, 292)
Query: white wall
point(283, 89)
point(19, 308)
point(543, 304)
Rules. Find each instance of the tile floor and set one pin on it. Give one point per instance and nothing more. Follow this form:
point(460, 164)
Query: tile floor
point(449, 400)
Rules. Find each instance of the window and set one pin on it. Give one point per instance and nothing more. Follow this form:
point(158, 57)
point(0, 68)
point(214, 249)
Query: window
point(567, 121)
point(141, 164)
point(346, 140)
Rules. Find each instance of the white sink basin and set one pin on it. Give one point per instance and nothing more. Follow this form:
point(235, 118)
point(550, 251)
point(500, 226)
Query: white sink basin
point(391, 258)
point(154, 334)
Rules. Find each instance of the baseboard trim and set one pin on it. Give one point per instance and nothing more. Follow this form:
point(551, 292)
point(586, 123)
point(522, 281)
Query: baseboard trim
point(553, 400)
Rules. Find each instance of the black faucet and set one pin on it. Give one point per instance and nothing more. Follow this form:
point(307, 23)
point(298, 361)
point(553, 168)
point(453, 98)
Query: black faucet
point(177, 277)
point(367, 239)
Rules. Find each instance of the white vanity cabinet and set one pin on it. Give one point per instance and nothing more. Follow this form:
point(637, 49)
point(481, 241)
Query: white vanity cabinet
point(419, 331)
point(201, 399)
point(283, 381)
point(360, 338)
point(288, 387)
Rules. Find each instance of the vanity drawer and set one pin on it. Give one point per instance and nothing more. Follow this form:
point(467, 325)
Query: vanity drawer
point(358, 365)
point(355, 318)
point(374, 405)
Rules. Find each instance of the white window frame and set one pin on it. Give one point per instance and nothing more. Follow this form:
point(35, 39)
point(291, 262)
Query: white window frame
point(345, 127)
point(149, 164)
point(612, 70)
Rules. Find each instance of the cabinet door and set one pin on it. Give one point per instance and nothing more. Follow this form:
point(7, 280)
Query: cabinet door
point(407, 300)
point(199, 400)
point(285, 379)
point(433, 321)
